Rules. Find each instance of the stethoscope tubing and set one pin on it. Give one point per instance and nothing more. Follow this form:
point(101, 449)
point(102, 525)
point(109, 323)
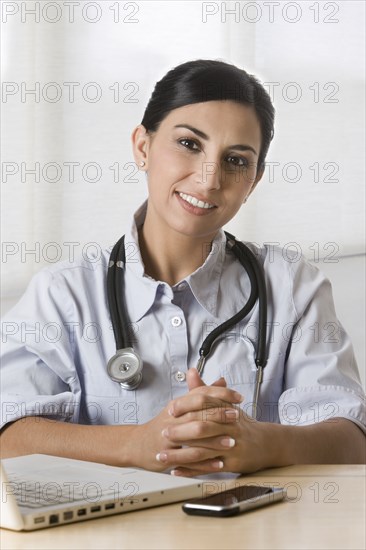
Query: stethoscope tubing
point(116, 296)
point(122, 330)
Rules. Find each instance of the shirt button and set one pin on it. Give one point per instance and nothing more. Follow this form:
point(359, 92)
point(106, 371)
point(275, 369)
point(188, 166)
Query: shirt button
point(181, 286)
point(176, 321)
point(180, 376)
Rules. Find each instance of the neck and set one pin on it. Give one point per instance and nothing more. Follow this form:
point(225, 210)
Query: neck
point(171, 256)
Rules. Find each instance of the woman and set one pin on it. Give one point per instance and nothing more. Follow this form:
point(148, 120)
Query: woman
point(202, 142)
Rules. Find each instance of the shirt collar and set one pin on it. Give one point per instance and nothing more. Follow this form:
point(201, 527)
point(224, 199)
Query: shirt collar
point(142, 289)
point(204, 282)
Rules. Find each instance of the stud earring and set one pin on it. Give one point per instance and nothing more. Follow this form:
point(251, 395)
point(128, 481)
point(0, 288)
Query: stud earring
point(142, 163)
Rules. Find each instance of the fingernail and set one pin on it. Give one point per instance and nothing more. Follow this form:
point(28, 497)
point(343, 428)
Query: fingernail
point(175, 473)
point(171, 412)
point(227, 442)
point(238, 396)
point(232, 413)
point(165, 432)
point(161, 457)
point(218, 464)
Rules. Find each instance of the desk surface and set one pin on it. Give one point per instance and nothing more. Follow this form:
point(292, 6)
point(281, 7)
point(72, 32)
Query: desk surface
point(325, 508)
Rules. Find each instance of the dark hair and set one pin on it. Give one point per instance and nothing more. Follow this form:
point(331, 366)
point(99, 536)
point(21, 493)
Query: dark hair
point(210, 80)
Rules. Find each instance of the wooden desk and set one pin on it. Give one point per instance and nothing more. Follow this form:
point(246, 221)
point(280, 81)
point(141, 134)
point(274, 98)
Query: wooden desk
point(325, 509)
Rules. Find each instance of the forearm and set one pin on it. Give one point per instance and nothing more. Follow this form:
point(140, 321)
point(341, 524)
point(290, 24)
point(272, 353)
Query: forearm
point(337, 442)
point(135, 446)
point(94, 443)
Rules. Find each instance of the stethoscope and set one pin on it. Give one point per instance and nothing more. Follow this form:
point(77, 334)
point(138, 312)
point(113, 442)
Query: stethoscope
point(125, 367)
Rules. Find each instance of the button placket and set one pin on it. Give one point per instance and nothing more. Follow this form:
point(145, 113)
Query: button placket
point(180, 376)
point(179, 349)
point(176, 321)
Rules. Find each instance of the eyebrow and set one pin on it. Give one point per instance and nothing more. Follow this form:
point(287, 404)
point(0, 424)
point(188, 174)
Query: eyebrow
point(238, 146)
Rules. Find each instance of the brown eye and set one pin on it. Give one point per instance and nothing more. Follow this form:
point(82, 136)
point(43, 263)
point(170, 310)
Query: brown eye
point(241, 162)
point(189, 144)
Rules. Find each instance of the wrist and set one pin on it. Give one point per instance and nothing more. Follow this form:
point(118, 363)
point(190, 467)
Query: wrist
point(124, 446)
point(277, 442)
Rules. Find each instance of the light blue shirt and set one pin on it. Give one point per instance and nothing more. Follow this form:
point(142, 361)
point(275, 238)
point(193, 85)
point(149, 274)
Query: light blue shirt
point(57, 340)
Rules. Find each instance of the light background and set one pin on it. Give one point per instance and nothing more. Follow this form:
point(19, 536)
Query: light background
point(311, 54)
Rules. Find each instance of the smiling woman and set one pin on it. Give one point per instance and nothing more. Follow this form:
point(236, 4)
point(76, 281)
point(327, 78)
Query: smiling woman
point(198, 177)
point(202, 142)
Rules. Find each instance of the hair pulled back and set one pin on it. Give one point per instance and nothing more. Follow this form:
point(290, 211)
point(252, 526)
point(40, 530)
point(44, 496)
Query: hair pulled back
point(210, 80)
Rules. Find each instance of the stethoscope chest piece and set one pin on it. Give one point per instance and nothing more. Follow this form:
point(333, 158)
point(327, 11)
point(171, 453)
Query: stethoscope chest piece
point(125, 367)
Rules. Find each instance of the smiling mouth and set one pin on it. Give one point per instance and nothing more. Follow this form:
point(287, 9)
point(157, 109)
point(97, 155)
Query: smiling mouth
point(195, 202)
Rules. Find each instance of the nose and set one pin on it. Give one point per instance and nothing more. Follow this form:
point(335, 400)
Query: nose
point(210, 175)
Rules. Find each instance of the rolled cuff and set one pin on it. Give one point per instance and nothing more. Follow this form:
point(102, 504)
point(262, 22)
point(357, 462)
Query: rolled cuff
point(63, 407)
point(303, 406)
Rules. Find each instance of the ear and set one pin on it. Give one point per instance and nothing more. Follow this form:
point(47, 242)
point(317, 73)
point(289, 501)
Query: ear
point(140, 145)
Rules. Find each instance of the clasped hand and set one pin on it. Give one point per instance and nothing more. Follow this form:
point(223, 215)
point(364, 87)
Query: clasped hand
point(204, 432)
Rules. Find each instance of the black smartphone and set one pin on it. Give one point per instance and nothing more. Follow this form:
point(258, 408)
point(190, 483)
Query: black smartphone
point(234, 501)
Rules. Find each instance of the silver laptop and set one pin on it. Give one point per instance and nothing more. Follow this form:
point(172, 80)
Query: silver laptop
point(40, 491)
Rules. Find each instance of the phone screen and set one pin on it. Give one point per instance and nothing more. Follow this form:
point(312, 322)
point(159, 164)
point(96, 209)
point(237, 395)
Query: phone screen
point(234, 501)
point(235, 495)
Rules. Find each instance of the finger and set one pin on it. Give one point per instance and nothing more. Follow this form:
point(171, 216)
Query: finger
point(203, 398)
point(224, 421)
point(220, 382)
point(208, 467)
point(186, 456)
point(222, 443)
point(221, 415)
point(180, 434)
point(195, 428)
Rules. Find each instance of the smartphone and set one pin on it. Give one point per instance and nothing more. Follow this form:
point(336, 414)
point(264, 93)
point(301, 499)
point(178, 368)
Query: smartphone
point(234, 501)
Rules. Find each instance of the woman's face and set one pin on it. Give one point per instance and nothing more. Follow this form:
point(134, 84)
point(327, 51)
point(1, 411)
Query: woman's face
point(201, 164)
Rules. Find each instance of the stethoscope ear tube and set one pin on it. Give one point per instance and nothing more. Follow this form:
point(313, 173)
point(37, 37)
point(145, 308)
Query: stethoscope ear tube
point(116, 296)
point(258, 290)
point(125, 327)
point(112, 299)
point(256, 268)
point(125, 366)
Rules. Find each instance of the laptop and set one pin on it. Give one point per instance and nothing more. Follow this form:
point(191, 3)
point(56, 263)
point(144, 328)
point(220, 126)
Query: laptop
point(39, 491)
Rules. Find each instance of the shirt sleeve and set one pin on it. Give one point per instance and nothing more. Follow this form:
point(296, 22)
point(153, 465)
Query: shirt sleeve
point(38, 374)
point(321, 375)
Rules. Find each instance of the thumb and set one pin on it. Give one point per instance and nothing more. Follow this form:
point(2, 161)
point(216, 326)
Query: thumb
point(220, 382)
point(195, 381)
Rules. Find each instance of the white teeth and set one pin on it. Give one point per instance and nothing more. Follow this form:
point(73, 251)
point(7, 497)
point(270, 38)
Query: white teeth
point(196, 202)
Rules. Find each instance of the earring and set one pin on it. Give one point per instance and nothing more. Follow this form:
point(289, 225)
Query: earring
point(142, 163)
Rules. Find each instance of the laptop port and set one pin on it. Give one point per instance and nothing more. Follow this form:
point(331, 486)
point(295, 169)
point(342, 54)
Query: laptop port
point(109, 506)
point(53, 519)
point(39, 520)
point(68, 515)
point(81, 512)
point(95, 509)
